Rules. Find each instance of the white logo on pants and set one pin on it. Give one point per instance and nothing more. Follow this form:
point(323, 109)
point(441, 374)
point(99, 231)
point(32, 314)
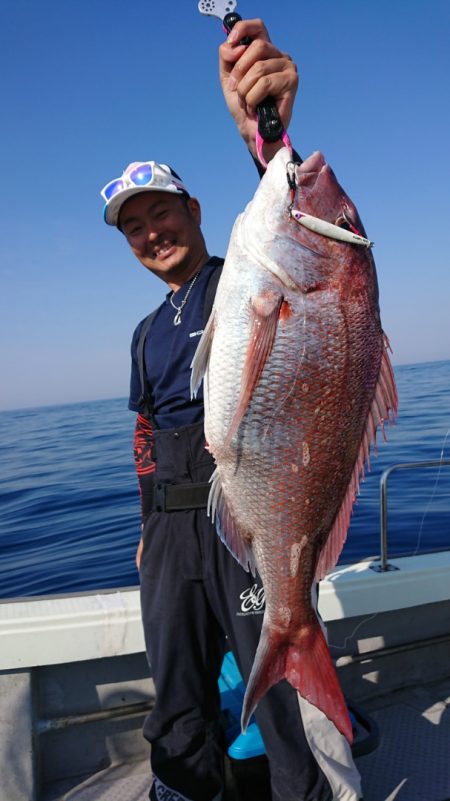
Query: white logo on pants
point(253, 600)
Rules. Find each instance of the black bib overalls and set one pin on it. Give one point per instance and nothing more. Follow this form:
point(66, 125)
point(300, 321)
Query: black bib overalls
point(194, 594)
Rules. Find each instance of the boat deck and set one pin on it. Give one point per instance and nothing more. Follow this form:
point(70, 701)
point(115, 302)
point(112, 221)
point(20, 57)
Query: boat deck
point(411, 762)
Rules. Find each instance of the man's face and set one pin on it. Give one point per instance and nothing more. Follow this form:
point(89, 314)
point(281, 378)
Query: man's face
point(163, 231)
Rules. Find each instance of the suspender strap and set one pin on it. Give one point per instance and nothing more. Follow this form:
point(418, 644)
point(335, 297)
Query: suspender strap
point(146, 400)
point(211, 289)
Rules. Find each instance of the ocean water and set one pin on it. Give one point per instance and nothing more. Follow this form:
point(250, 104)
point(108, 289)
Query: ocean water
point(69, 506)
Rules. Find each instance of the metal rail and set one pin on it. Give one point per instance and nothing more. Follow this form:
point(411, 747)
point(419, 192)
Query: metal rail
point(384, 565)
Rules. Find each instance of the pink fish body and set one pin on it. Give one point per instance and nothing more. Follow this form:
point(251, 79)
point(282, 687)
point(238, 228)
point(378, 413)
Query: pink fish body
point(296, 378)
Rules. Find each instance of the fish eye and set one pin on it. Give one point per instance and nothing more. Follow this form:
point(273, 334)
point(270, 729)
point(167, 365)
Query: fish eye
point(342, 222)
point(345, 222)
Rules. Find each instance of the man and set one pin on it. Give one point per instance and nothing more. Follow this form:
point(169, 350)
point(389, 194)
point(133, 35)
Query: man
point(193, 592)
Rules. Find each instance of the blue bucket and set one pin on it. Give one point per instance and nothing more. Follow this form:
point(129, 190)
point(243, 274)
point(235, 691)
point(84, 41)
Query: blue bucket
point(232, 689)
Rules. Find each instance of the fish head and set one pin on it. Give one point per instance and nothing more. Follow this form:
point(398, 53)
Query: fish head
point(311, 259)
point(320, 194)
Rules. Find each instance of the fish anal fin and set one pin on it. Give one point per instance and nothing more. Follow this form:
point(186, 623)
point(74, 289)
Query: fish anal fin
point(226, 526)
point(383, 409)
point(264, 314)
point(304, 660)
point(201, 357)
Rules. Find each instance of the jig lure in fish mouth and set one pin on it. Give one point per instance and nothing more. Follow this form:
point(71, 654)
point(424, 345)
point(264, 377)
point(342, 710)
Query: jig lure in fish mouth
point(316, 224)
point(328, 229)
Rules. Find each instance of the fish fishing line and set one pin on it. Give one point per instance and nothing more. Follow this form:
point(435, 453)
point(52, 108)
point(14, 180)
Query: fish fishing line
point(367, 619)
point(349, 637)
point(433, 493)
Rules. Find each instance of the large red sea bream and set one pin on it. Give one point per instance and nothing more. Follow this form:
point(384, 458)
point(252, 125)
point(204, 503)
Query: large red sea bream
point(297, 378)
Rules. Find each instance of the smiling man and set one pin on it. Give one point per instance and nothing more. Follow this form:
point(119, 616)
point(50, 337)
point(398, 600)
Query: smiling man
point(194, 594)
point(163, 231)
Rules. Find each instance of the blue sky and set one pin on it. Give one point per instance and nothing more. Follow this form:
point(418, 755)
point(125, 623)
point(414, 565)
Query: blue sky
point(89, 86)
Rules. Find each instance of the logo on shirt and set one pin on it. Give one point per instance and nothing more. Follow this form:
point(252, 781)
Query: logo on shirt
point(253, 600)
point(196, 333)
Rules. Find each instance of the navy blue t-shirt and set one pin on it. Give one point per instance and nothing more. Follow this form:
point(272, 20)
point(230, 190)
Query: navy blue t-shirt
point(169, 350)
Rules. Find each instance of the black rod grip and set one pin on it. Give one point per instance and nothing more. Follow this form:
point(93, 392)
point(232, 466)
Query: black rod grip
point(270, 126)
point(229, 21)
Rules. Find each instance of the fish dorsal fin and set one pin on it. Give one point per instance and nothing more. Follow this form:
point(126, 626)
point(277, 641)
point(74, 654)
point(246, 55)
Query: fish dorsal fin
point(201, 357)
point(383, 408)
point(226, 526)
point(264, 314)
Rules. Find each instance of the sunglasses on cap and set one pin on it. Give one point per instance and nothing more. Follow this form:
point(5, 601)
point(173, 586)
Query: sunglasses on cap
point(145, 174)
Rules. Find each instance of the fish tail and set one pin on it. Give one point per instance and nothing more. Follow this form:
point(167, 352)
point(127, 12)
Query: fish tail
point(306, 664)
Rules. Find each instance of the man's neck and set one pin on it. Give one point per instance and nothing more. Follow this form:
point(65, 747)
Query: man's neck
point(187, 273)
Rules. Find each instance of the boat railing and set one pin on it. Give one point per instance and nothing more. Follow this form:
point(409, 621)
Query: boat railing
point(384, 564)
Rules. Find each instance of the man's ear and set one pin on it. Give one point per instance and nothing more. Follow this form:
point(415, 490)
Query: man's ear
point(195, 209)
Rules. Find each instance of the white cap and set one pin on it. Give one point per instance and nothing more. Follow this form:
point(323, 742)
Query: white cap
point(140, 176)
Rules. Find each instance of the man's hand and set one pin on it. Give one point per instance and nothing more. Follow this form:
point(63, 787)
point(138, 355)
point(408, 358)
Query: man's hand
point(249, 73)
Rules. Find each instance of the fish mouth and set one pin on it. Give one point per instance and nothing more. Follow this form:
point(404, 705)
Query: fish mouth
point(309, 171)
point(319, 195)
point(314, 170)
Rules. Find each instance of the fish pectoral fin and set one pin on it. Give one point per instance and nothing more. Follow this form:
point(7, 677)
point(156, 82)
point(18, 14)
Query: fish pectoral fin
point(304, 660)
point(226, 526)
point(264, 315)
point(383, 408)
point(201, 357)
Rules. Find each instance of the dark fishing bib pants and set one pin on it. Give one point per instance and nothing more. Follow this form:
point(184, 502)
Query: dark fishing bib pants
point(194, 594)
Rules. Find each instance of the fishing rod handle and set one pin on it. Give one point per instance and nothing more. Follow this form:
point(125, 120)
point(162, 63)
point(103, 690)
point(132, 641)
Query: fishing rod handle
point(270, 126)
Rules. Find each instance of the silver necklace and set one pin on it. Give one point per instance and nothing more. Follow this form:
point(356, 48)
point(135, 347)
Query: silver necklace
point(179, 309)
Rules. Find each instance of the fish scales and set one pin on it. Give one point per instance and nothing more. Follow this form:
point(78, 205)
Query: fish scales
point(296, 380)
